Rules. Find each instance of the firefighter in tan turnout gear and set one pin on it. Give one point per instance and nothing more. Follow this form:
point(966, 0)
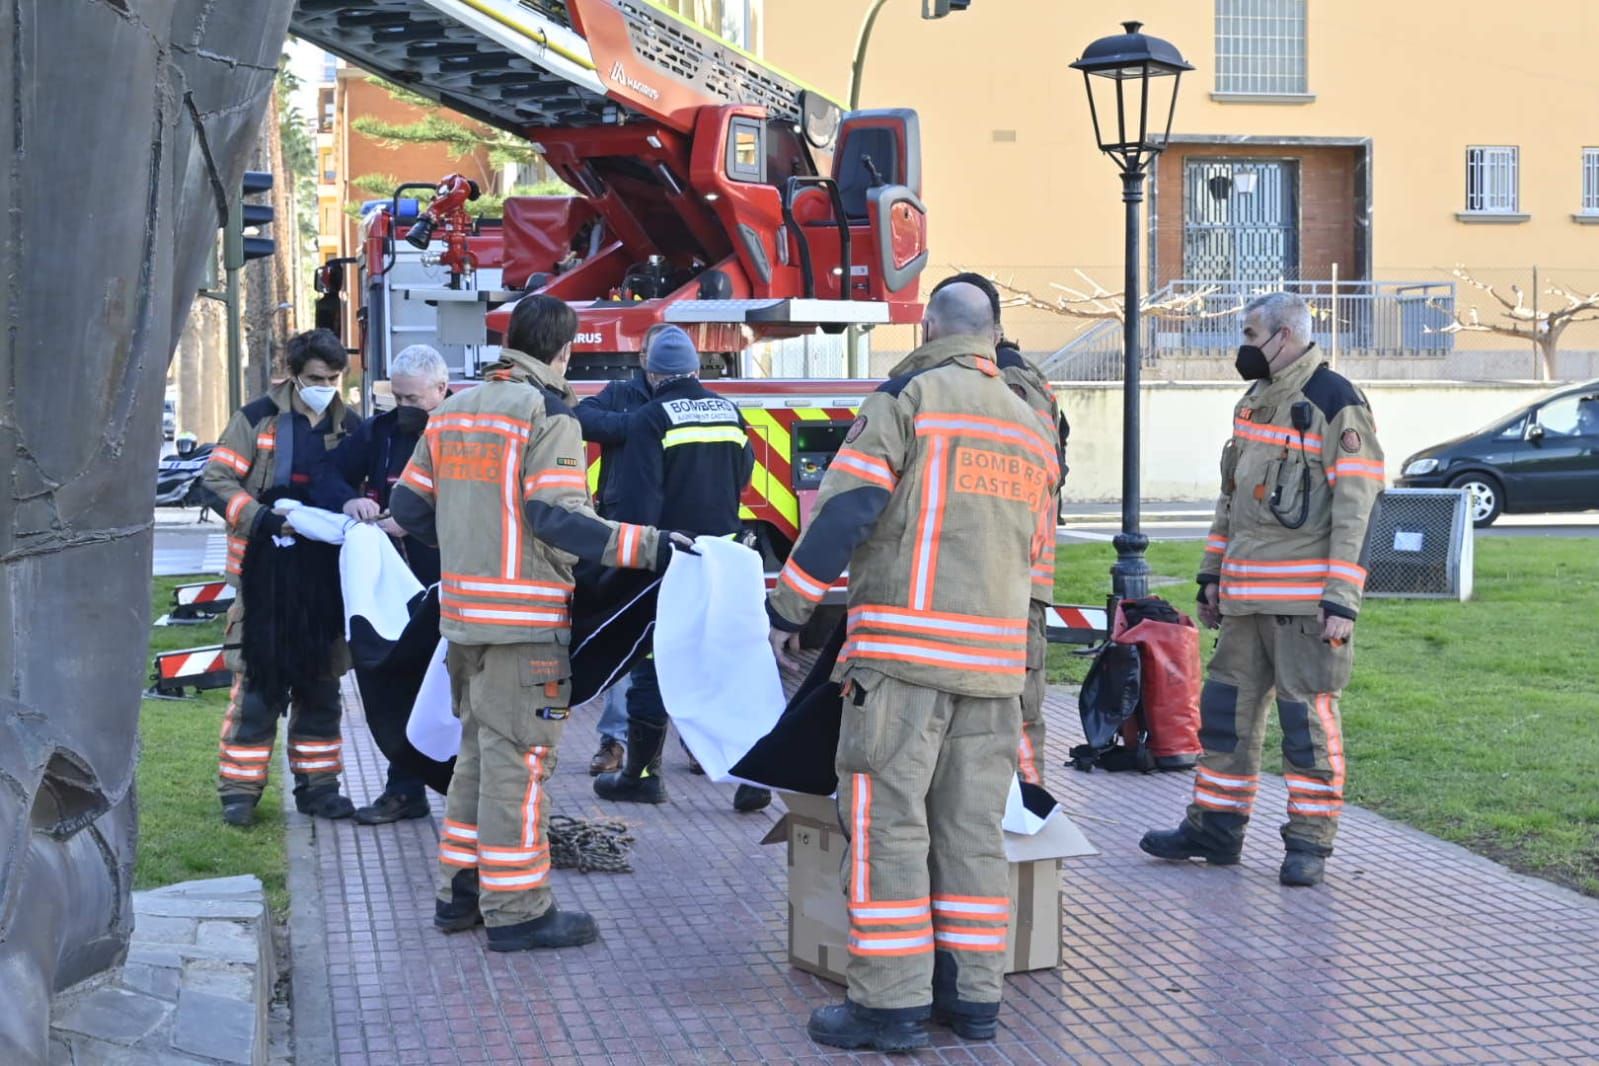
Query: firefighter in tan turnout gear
point(498, 483)
point(278, 445)
point(1282, 579)
point(1029, 383)
point(933, 504)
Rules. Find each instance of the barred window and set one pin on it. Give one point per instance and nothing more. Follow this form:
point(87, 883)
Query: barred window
point(1260, 47)
point(1590, 181)
point(1493, 180)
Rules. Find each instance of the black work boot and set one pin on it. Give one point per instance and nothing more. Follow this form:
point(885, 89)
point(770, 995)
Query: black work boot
point(639, 781)
point(552, 929)
point(323, 802)
point(846, 1025)
point(1300, 869)
point(239, 810)
point(749, 798)
point(461, 913)
point(1305, 863)
point(970, 1021)
point(1218, 848)
point(392, 807)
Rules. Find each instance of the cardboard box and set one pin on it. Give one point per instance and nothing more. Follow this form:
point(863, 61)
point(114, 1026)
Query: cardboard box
point(818, 922)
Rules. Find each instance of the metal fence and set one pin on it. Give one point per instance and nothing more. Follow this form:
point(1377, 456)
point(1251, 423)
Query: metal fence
point(1198, 321)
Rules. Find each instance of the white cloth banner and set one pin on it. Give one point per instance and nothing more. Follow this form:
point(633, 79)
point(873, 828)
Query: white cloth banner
point(718, 678)
point(433, 728)
point(377, 584)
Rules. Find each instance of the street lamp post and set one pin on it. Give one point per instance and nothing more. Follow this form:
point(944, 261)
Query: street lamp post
point(1135, 68)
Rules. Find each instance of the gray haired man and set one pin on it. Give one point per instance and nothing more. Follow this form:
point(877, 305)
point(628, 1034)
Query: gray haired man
point(372, 459)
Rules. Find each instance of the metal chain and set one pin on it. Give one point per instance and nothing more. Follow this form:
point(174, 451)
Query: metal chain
point(588, 846)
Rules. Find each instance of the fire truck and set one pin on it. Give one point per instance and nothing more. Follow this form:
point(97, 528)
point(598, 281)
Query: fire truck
point(711, 191)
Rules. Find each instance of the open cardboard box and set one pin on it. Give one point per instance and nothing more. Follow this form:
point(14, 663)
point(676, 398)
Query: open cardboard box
point(818, 923)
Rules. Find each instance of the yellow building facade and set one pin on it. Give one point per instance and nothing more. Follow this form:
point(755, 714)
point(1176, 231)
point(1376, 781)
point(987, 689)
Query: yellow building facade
point(1395, 140)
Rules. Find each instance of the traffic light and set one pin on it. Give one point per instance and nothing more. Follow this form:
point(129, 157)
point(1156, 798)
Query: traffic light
point(937, 9)
point(238, 249)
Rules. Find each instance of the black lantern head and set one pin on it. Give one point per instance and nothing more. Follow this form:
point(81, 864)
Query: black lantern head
point(1133, 77)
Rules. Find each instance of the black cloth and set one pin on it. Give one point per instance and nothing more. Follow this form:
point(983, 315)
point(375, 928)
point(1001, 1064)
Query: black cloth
point(613, 613)
point(389, 675)
point(604, 418)
point(669, 480)
point(295, 607)
point(371, 459)
point(798, 754)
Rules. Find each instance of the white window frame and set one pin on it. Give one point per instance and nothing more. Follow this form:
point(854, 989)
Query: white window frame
point(1589, 204)
point(1262, 50)
point(1493, 179)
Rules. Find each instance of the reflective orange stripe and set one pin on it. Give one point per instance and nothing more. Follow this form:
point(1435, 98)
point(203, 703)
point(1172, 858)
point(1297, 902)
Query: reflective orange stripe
point(976, 426)
point(970, 626)
point(865, 467)
point(533, 801)
point(1218, 802)
point(967, 906)
point(1275, 435)
point(1024, 760)
point(231, 459)
point(238, 772)
point(464, 422)
point(236, 505)
point(629, 545)
point(517, 880)
point(267, 440)
point(808, 588)
point(416, 479)
point(929, 527)
point(910, 942)
point(1216, 544)
point(860, 839)
point(1270, 591)
point(555, 480)
point(883, 912)
point(970, 940)
point(461, 831)
point(1227, 781)
point(932, 653)
point(452, 854)
point(506, 616)
point(460, 587)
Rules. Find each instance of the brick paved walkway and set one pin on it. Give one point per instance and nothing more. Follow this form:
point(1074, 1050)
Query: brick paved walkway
point(1415, 951)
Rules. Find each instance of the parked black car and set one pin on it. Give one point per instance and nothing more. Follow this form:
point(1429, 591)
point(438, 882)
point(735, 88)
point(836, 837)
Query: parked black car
point(1544, 457)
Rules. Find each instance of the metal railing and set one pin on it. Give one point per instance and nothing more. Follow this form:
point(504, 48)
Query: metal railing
point(1355, 318)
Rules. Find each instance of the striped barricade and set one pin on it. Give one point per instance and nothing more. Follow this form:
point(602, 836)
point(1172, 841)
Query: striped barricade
point(196, 668)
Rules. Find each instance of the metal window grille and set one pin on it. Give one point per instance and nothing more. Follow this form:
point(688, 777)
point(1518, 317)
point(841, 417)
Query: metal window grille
point(1260, 47)
point(1590, 180)
point(1493, 179)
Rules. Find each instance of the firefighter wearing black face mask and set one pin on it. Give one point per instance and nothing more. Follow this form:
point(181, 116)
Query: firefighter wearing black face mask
point(372, 460)
point(1282, 579)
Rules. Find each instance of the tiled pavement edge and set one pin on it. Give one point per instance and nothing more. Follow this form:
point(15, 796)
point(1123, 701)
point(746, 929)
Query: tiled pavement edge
point(1415, 951)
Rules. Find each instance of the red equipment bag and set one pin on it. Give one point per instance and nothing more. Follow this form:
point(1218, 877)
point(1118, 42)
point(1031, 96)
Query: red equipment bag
point(1170, 677)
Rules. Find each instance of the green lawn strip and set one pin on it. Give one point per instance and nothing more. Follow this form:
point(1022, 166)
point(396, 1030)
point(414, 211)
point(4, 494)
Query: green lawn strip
point(1474, 722)
point(181, 835)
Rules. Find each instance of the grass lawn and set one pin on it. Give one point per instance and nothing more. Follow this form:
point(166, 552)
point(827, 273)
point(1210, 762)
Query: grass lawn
point(181, 835)
point(1477, 722)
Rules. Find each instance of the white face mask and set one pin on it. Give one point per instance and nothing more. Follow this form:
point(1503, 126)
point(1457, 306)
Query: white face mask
point(317, 397)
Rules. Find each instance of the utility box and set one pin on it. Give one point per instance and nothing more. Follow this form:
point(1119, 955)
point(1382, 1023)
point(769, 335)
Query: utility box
point(818, 921)
point(1420, 545)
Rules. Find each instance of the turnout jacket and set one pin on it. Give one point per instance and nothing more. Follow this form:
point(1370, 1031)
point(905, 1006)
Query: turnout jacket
point(248, 459)
point(605, 418)
point(498, 483)
point(1273, 474)
point(687, 460)
point(1027, 382)
point(934, 504)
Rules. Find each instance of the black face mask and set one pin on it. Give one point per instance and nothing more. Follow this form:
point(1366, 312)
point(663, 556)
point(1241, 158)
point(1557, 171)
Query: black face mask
point(1252, 364)
point(410, 420)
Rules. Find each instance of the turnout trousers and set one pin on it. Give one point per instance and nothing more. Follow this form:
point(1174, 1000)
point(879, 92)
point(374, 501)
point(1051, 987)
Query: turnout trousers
point(1030, 753)
point(250, 725)
point(1257, 656)
point(512, 703)
point(922, 781)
